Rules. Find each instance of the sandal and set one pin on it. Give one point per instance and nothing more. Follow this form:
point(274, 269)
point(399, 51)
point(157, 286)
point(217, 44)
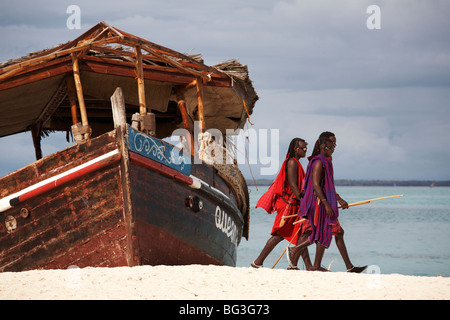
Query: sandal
point(357, 269)
point(291, 267)
point(255, 265)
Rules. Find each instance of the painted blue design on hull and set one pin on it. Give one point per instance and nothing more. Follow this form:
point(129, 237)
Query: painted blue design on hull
point(159, 151)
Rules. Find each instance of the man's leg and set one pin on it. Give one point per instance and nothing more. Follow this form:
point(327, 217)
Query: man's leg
point(339, 237)
point(271, 243)
point(307, 259)
point(301, 249)
point(320, 250)
point(343, 249)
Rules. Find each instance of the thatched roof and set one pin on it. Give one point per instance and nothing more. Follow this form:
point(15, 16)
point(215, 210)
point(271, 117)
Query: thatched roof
point(33, 89)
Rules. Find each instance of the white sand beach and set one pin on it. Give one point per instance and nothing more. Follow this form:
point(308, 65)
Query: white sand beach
point(215, 283)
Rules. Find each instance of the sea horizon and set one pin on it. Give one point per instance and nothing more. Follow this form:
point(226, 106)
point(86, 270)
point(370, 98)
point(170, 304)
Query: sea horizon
point(406, 235)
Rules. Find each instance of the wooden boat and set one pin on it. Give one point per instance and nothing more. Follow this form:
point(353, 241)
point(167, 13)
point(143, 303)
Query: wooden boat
point(121, 195)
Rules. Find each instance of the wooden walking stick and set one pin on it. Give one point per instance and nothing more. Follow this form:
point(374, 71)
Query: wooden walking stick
point(288, 244)
point(370, 200)
point(282, 222)
point(287, 217)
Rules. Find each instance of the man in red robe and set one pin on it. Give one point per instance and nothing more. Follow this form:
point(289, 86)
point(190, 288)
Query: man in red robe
point(284, 196)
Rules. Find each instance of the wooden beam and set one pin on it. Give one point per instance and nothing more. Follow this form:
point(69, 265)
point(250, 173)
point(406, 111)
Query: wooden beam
point(157, 73)
point(79, 89)
point(118, 109)
point(36, 131)
point(51, 70)
point(140, 81)
point(31, 62)
point(201, 114)
point(71, 93)
point(104, 65)
point(176, 64)
point(184, 115)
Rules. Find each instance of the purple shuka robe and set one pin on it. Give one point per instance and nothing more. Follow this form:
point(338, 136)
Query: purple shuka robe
point(322, 232)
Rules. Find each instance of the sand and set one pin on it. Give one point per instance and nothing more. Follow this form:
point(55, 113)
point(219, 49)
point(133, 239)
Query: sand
point(215, 283)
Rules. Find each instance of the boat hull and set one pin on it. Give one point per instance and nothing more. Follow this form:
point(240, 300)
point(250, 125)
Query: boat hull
point(164, 220)
point(128, 210)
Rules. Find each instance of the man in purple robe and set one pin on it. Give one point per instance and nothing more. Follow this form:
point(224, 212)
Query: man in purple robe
point(319, 203)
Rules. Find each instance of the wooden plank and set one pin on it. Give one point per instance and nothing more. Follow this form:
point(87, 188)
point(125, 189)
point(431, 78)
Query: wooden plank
point(37, 75)
point(4, 72)
point(184, 116)
point(176, 63)
point(118, 109)
point(79, 89)
point(105, 66)
point(201, 114)
point(140, 81)
point(133, 254)
point(71, 93)
point(56, 163)
point(65, 219)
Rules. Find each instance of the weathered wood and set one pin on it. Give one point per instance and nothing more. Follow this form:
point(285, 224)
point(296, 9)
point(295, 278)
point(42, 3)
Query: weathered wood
point(128, 212)
point(50, 69)
point(55, 163)
point(140, 81)
point(133, 254)
point(118, 109)
point(79, 223)
point(180, 227)
point(113, 67)
point(36, 131)
point(175, 63)
point(23, 66)
point(79, 89)
point(112, 217)
point(191, 84)
point(71, 93)
point(201, 114)
point(63, 222)
point(184, 116)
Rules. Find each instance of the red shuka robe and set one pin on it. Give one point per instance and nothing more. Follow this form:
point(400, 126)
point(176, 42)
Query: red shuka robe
point(277, 198)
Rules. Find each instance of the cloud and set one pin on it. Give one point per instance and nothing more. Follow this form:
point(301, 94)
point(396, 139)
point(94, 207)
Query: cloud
point(392, 133)
point(315, 66)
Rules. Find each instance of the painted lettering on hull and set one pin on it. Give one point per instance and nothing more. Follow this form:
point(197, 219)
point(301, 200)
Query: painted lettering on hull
point(226, 224)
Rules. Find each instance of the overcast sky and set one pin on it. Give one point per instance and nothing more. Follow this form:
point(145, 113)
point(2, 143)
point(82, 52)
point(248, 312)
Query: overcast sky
point(315, 65)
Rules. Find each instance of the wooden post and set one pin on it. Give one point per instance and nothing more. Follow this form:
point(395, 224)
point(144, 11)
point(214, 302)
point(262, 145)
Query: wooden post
point(36, 131)
point(71, 92)
point(140, 82)
point(201, 116)
point(184, 115)
point(118, 109)
point(147, 119)
point(79, 89)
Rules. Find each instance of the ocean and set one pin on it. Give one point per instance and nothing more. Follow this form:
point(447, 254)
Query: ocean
point(409, 235)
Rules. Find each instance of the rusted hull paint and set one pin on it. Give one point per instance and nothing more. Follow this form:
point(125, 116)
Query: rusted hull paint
point(158, 246)
point(123, 213)
point(170, 232)
point(79, 224)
